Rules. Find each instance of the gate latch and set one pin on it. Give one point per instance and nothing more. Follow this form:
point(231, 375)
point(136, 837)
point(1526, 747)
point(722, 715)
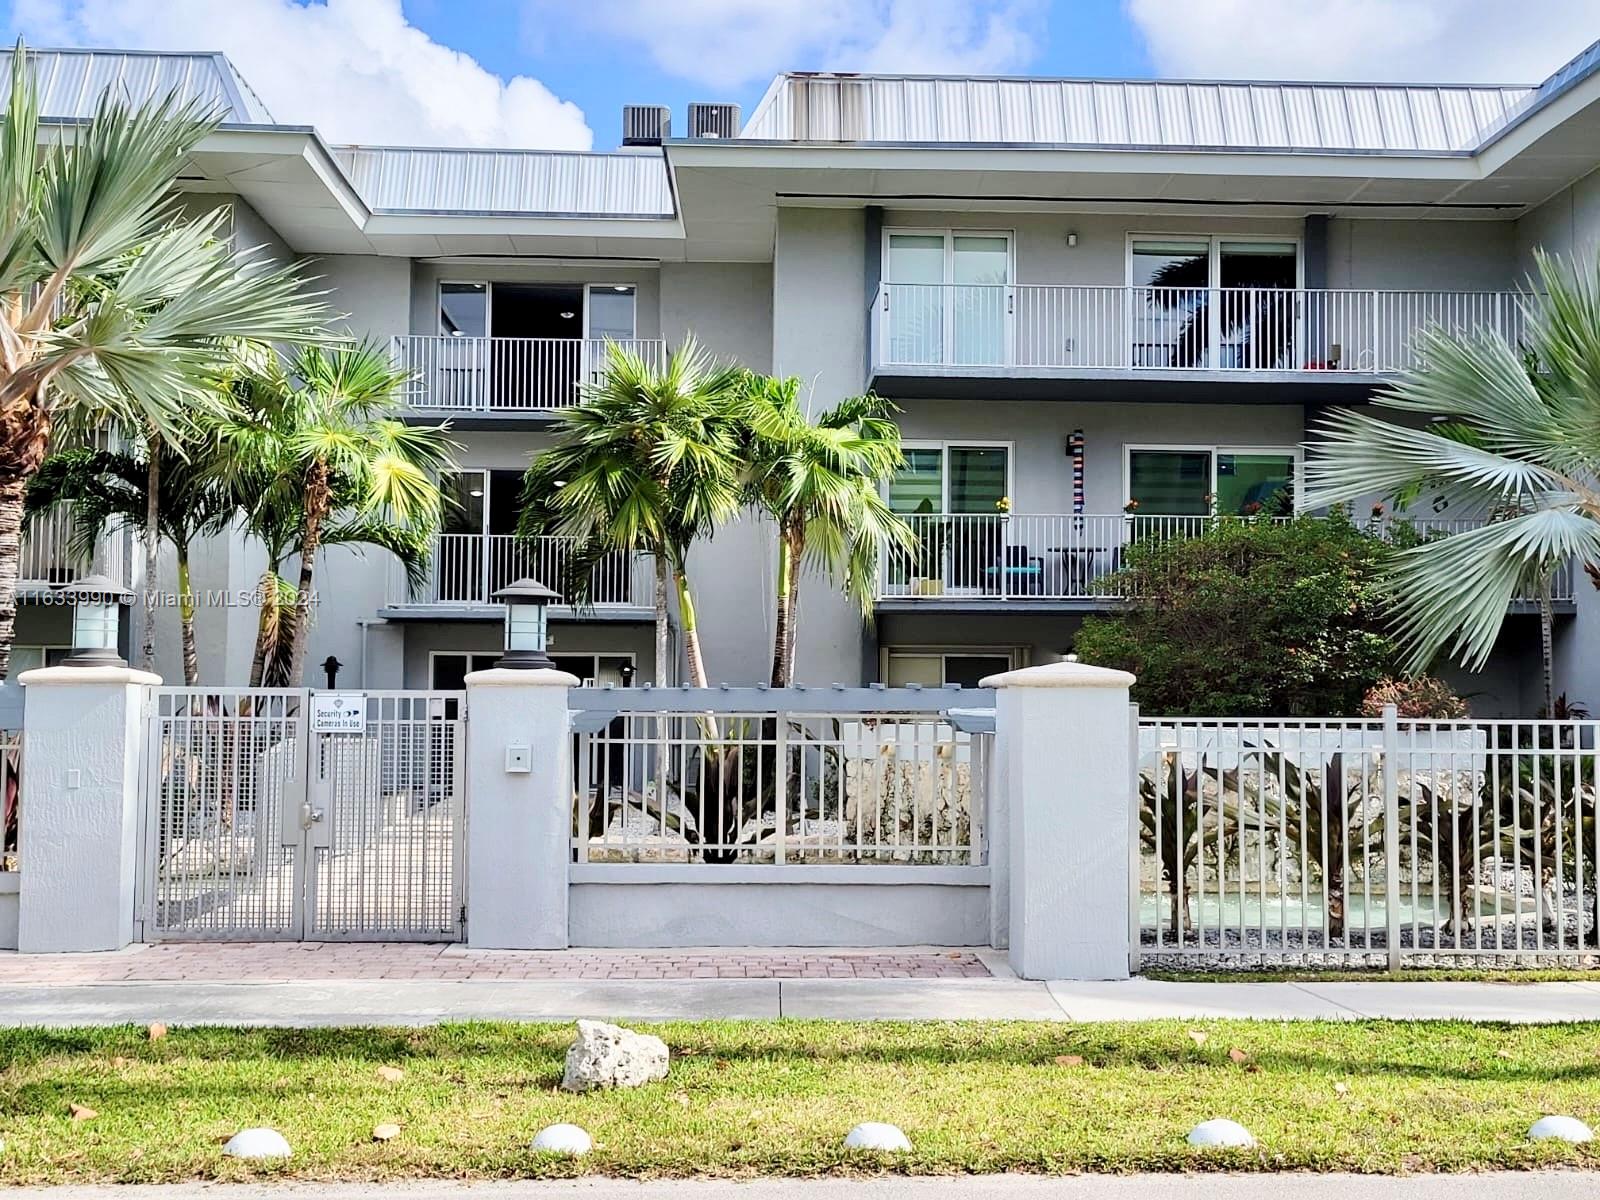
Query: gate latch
point(310, 816)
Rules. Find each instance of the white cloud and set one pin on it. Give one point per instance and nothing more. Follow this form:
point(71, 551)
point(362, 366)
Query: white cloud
point(1438, 41)
point(726, 43)
point(356, 69)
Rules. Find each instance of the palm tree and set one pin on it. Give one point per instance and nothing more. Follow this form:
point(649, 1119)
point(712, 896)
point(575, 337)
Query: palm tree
point(647, 463)
point(106, 487)
point(1510, 438)
point(113, 306)
point(820, 480)
point(1256, 312)
point(319, 456)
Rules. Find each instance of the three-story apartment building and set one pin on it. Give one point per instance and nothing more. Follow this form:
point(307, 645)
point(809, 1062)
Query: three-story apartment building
point(1106, 308)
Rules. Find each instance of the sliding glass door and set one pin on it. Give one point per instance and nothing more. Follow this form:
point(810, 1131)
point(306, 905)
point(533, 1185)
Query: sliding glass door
point(1214, 302)
point(949, 298)
point(951, 496)
point(1190, 481)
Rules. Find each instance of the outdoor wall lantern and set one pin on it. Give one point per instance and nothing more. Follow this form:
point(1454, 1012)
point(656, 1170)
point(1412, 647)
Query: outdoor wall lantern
point(96, 608)
point(527, 625)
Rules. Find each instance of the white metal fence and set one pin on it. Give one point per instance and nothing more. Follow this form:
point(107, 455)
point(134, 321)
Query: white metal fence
point(47, 555)
point(1380, 841)
point(1216, 329)
point(783, 777)
point(1064, 556)
point(501, 374)
point(468, 568)
point(258, 827)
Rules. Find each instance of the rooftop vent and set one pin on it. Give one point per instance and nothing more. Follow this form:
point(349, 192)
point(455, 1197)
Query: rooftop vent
point(645, 124)
point(713, 120)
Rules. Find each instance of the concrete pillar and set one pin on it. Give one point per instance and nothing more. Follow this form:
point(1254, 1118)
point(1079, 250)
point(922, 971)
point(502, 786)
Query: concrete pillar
point(1064, 741)
point(519, 809)
point(81, 834)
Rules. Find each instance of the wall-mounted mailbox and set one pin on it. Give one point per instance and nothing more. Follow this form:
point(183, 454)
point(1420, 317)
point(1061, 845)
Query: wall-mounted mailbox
point(519, 758)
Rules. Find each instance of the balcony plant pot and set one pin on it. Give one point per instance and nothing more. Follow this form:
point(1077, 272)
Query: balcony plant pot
point(929, 587)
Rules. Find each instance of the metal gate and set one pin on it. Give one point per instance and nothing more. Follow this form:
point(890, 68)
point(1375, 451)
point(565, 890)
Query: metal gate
point(259, 828)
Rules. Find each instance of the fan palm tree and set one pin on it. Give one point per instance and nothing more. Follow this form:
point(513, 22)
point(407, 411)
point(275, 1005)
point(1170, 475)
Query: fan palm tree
point(113, 306)
point(1256, 311)
point(647, 463)
point(820, 480)
point(1511, 438)
point(106, 487)
point(319, 456)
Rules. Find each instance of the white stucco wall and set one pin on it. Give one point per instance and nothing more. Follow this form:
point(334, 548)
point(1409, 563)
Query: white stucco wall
point(1427, 255)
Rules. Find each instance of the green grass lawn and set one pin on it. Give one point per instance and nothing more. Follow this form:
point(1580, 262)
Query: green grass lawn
point(777, 1097)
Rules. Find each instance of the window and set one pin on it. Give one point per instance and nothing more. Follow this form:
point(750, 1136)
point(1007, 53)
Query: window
point(1179, 320)
point(596, 670)
point(464, 309)
point(26, 658)
point(952, 479)
point(1194, 481)
point(447, 671)
point(939, 668)
point(611, 311)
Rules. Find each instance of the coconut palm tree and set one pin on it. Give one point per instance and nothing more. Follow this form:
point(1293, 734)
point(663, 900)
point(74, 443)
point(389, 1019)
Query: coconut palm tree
point(113, 306)
point(647, 463)
point(1509, 437)
point(820, 481)
point(106, 487)
point(318, 456)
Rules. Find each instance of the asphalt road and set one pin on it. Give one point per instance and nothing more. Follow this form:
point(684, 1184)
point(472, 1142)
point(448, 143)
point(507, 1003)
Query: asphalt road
point(1543, 1185)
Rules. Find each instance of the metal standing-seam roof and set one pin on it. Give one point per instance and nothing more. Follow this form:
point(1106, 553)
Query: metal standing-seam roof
point(534, 182)
point(1313, 117)
point(71, 81)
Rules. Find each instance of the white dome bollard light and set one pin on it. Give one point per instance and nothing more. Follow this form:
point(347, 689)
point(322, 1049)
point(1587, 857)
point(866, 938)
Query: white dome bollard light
point(1561, 1129)
point(257, 1144)
point(879, 1136)
point(571, 1140)
point(1221, 1133)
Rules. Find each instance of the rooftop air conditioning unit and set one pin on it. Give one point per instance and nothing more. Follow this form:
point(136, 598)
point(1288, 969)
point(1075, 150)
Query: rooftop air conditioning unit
point(713, 120)
point(646, 124)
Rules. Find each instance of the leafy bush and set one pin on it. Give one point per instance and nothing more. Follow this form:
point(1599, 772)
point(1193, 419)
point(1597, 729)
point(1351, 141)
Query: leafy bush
point(1421, 697)
point(1250, 618)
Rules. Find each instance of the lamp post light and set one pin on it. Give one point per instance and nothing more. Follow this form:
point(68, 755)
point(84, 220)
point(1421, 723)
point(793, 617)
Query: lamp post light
point(96, 603)
point(527, 625)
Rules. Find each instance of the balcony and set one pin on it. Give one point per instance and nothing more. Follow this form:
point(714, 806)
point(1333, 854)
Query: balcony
point(47, 559)
point(466, 570)
point(1022, 340)
point(1055, 561)
point(496, 377)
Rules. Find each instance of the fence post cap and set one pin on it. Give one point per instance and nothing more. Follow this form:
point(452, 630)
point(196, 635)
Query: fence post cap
point(84, 675)
point(1061, 675)
point(513, 677)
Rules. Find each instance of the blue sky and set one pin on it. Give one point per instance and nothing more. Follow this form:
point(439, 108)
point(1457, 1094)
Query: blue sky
point(553, 73)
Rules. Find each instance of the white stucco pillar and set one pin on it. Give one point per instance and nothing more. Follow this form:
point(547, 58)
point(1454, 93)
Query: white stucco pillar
point(1063, 737)
point(80, 828)
point(519, 809)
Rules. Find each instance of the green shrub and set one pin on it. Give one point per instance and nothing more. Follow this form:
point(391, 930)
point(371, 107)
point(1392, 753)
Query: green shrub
point(1250, 618)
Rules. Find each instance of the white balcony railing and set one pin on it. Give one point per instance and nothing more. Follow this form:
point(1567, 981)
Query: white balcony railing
point(47, 555)
point(468, 568)
point(492, 374)
point(1052, 557)
point(1065, 328)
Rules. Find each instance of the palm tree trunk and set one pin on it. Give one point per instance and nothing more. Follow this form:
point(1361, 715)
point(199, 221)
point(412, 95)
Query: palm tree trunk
point(780, 626)
point(317, 500)
point(691, 633)
point(13, 493)
point(266, 624)
point(1547, 654)
point(796, 552)
point(191, 657)
point(152, 549)
point(663, 576)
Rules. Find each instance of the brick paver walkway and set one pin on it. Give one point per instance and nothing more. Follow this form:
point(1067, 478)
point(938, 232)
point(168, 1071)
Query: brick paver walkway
point(291, 961)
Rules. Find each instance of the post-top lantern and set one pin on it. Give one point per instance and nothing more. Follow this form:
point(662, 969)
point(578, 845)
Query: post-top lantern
point(96, 608)
point(527, 624)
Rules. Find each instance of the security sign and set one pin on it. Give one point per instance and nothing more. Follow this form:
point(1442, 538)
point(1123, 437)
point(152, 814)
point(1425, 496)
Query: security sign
point(339, 712)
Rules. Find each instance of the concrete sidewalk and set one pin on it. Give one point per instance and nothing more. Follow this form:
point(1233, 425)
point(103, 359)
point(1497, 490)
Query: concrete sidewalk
point(1523, 1185)
point(425, 1001)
